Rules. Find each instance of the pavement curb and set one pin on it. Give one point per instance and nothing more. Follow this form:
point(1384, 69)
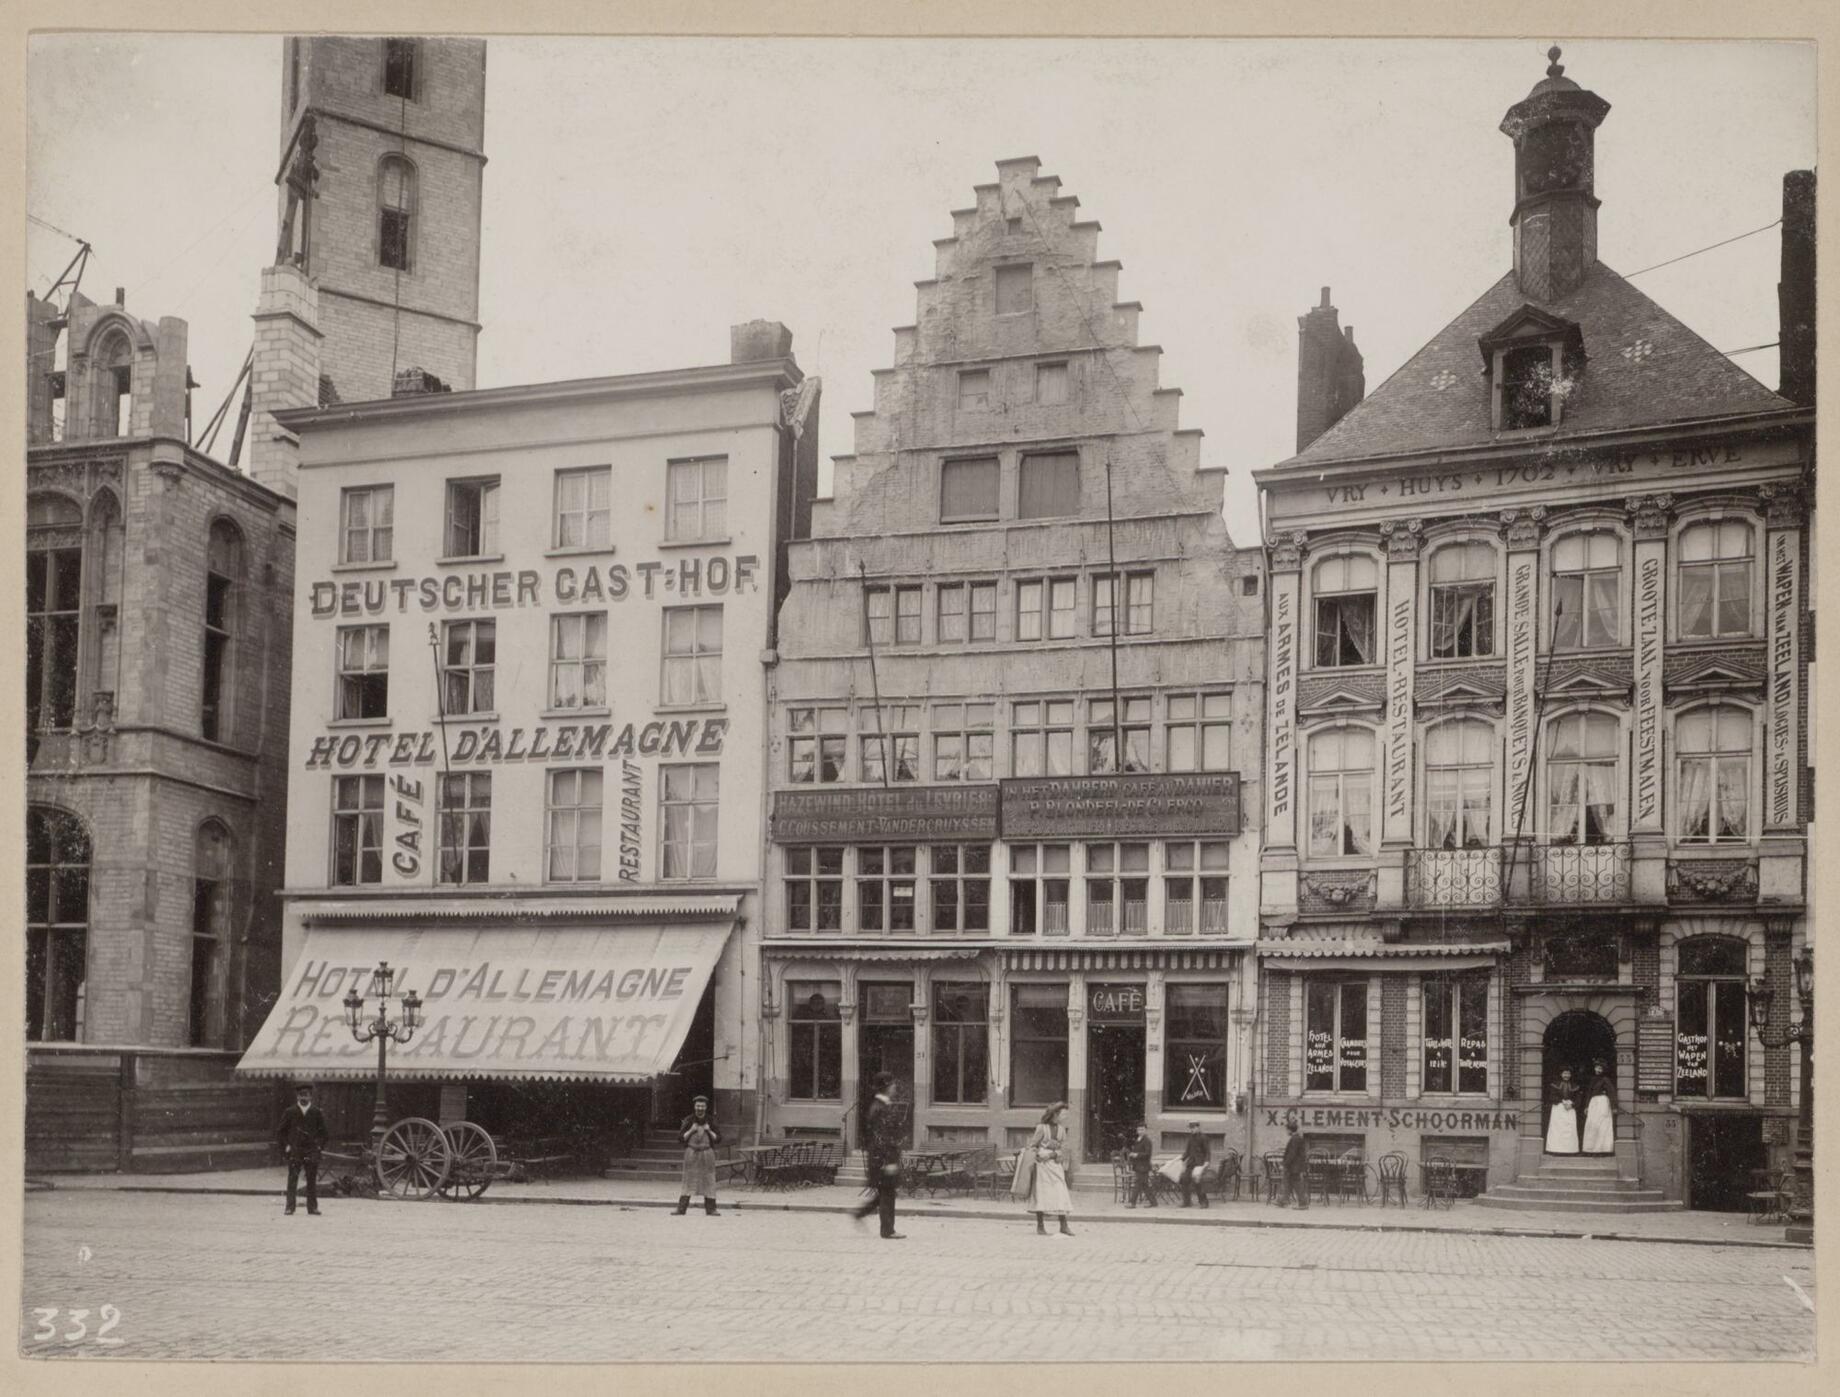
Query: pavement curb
point(750, 1205)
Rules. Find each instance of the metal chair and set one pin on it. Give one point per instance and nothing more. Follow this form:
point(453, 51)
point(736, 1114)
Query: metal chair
point(1774, 1201)
point(1274, 1178)
point(1321, 1176)
point(1351, 1174)
point(1440, 1182)
point(1227, 1175)
point(1121, 1177)
point(1392, 1177)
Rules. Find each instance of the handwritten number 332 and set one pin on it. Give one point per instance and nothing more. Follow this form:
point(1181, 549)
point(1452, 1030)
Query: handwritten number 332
point(79, 1319)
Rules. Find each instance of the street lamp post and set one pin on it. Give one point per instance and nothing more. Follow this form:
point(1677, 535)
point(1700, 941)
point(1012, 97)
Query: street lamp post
point(383, 1028)
point(1761, 996)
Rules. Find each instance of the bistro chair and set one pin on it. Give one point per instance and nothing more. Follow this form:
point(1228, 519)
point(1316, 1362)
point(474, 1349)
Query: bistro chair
point(1320, 1177)
point(1274, 1178)
point(999, 1175)
point(1227, 1176)
point(1392, 1177)
point(1121, 1177)
point(1351, 1173)
point(1440, 1182)
point(1774, 1199)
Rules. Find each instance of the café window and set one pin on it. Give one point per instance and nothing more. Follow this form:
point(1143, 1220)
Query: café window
point(1345, 588)
point(1195, 732)
point(1462, 601)
point(692, 655)
point(1716, 564)
point(968, 490)
point(814, 889)
point(1195, 887)
point(466, 827)
point(1139, 603)
point(1587, 589)
point(1709, 1018)
point(582, 507)
point(357, 830)
point(1335, 1035)
point(367, 524)
point(960, 887)
point(472, 518)
point(1049, 485)
point(1457, 1034)
point(1038, 1044)
point(469, 660)
point(1712, 794)
point(1581, 773)
point(1106, 726)
point(974, 390)
point(364, 672)
point(1044, 609)
point(1041, 738)
point(961, 1044)
point(572, 826)
point(1195, 1055)
point(814, 1046)
point(57, 923)
point(815, 744)
point(578, 660)
point(967, 612)
point(1341, 792)
point(689, 802)
point(964, 741)
point(696, 502)
point(885, 887)
point(1117, 889)
point(891, 743)
point(1039, 884)
point(1459, 785)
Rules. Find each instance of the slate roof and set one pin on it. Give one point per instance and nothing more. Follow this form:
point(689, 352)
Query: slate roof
point(1644, 368)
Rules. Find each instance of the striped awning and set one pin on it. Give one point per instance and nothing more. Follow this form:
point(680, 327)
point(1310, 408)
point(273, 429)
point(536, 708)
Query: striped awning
point(831, 950)
point(368, 911)
point(1339, 953)
point(1120, 958)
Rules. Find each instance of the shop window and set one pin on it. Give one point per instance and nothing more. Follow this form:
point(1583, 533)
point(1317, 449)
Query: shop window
point(1346, 590)
point(582, 512)
point(1581, 776)
point(1716, 564)
point(1041, 738)
point(572, 826)
point(1139, 606)
point(689, 801)
point(1712, 794)
point(692, 655)
point(1015, 288)
point(891, 743)
point(696, 501)
point(1195, 732)
point(1195, 887)
point(961, 1044)
point(1579, 957)
point(578, 660)
point(1038, 1044)
point(466, 827)
point(1049, 485)
point(964, 741)
point(357, 831)
point(223, 565)
point(1587, 588)
point(364, 672)
point(1709, 1019)
point(1335, 1035)
point(1462, 601)
point(1044, 609)
point(974, 390)
point(968, 490)
point(1527, 387)
point(814, 889)
point(57, 924)
point(1468, 1153)
point(54, 602)
point(1039, 884)
point(885, 887)
point(399, 68)
point(815, 745)
point(1459, 786)
point(814, 1033)
point(367, 516)
point(1195, 1047)
point(1050, 384)
point(395, 213)
point(1118, 889)
point(1106, 726)
point(960, 887)
point(472, 518)
point(1457, 1034)
point(967, 612)
point(469, 660)
point(1341, 792)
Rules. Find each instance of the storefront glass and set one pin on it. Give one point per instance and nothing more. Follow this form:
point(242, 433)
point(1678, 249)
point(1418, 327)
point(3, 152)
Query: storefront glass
point(815, 1030)
point(1038, 1045)
point(1195, 1053)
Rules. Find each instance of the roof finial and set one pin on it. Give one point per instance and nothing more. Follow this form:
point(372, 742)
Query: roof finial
point(1554, 68)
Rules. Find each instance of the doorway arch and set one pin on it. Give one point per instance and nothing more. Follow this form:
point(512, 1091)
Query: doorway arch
point(1574, 1039)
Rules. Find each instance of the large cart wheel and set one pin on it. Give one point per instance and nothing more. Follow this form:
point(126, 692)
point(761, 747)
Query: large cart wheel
point(414, 1159)
point(474, 1161)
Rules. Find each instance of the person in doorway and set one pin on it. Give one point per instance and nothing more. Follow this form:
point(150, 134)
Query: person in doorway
point(885, 1127)
point(302, 1135)
point(700, 1136)
point(1138, 1157)
point(1562, 1125)
point(1194, 1159)
point(1600, 1111)
point(1296, 1168)
point(1040, 1182)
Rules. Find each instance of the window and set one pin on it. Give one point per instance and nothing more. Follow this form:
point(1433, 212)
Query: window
point(968, 490)
point(1044, 609)
point(357, 830)
point(1102, 737)
point(1526, 387)
point(1710, 1014)
point(974, 390)
point(692, 654)
point(1587, 590)
point(1050, 384)
point(964, 741)
point(1139, 588)
point(885, 888)
point(572, 826)
point(1342, 792)
point(466, 828)
point(54, 600)
point(223, 565)
point(891, 743)
point(399, 68)
point(1118, 889)
point(1195, 734)
point(1038, 1045)
point(1457, 1034)
point(1041, 738)
point(1015, 289)
point(891, 615)
point(1050, 485)
point(395, 213)
point(469, 654)
point(967, 612)
point(472, 518)
point(960, 887)
point(581, 507)
point(814, 1032)
point(364, 672)
point(57, 924)
point(815, 744)
point(689, 798)
point(1195, 872)
point(102, 637)
point(578, 660)
point(1038, 888)
point(114, 383)
point(1345, 590)
point(1195, 1058)
point(1335, 1035)
point(1462, 601)
point(1249, 585)
point(1581, 776)
point(1713, 792)
point(696, 506)
point(213, 862)
point(1459, 786)
point(366, 515)
point(961, 1044)
point(814, 889)
point(1715, 580)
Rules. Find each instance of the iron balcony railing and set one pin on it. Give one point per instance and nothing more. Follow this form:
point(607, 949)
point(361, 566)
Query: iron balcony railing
point(1454, 877)
point(1536, 874)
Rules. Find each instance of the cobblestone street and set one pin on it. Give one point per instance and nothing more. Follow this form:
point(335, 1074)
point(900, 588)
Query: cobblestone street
point(225, 1277)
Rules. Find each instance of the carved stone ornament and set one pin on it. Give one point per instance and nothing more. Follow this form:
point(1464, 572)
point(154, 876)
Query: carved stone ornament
point(169, 472)
point(1336, 893)
point(1782, 505)
point(1404, 537)
point(1649, 515)
point(1523, 528)
point(1714, 882)
point(1287, 550)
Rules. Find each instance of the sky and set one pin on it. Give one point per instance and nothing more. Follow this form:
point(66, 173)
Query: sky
point(642, 195)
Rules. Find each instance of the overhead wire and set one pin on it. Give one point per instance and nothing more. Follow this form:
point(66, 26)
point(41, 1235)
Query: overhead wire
point(1708, 248)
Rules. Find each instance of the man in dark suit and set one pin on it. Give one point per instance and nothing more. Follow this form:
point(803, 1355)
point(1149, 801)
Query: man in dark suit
point(302, 1135)
point(1194, 1160)
point(1138, 1156)
point(1296, 1165)
point(885, 1128)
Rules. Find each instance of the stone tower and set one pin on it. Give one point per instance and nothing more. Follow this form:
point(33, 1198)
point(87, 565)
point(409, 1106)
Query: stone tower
point(1555, 207)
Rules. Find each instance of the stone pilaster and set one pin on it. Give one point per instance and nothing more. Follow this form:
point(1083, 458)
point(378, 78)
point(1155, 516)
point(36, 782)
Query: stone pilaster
point(1649, 517)
point(1522, 530)
point(1403, 539)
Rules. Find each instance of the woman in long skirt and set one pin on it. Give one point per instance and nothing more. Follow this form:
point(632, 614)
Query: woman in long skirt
point(700, 1137)
point(1600, 1111)
point(1041, 1172)
point(1562, 1127)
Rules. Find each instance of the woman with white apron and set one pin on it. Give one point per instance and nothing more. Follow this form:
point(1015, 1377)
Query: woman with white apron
point(1600, 1112)
point(1562, 1126)
point(1041, 1172)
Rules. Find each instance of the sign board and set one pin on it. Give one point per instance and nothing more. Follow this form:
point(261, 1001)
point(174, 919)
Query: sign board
point(1655, 1054)
point(1057, 807)
point(820, 816)
point(1115, 1004)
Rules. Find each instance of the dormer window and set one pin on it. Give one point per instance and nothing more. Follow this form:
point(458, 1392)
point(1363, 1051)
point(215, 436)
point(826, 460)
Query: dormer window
point(1535, 362)
point(1527, 388)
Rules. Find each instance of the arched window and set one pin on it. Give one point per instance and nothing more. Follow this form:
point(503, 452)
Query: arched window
point(213, 885)
point(1345, 589)
point(395, 213)
point(1587, 589)
point(1716, 563)
point(1459, 786)
point(54, 601)
point(1712, 793)
point(1581, 779)
point(57, 924)
point(223, 568)
point(1710, 1010)
point(1342, 792)
point(1462, 601)
point(112, 386)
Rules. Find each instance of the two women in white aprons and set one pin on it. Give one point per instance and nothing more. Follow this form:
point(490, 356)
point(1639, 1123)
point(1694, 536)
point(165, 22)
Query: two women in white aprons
point(1598, 1135)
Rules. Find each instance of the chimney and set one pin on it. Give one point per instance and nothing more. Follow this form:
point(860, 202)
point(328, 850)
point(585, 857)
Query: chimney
point(757, 340)
point(1795, 291)
point(1330, 377)
point(1555, 210)
point(414, 382)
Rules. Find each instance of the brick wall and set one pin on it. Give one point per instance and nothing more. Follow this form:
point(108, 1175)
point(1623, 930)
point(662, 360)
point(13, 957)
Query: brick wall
point(1776, 1061)
point(1518, 971)
point(1277, 1034)
point(1393, 1037)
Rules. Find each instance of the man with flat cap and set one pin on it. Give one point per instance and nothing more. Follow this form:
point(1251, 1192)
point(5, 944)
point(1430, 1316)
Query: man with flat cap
point(700, 1137)
point(302, 1135)
point(1194, 1160)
